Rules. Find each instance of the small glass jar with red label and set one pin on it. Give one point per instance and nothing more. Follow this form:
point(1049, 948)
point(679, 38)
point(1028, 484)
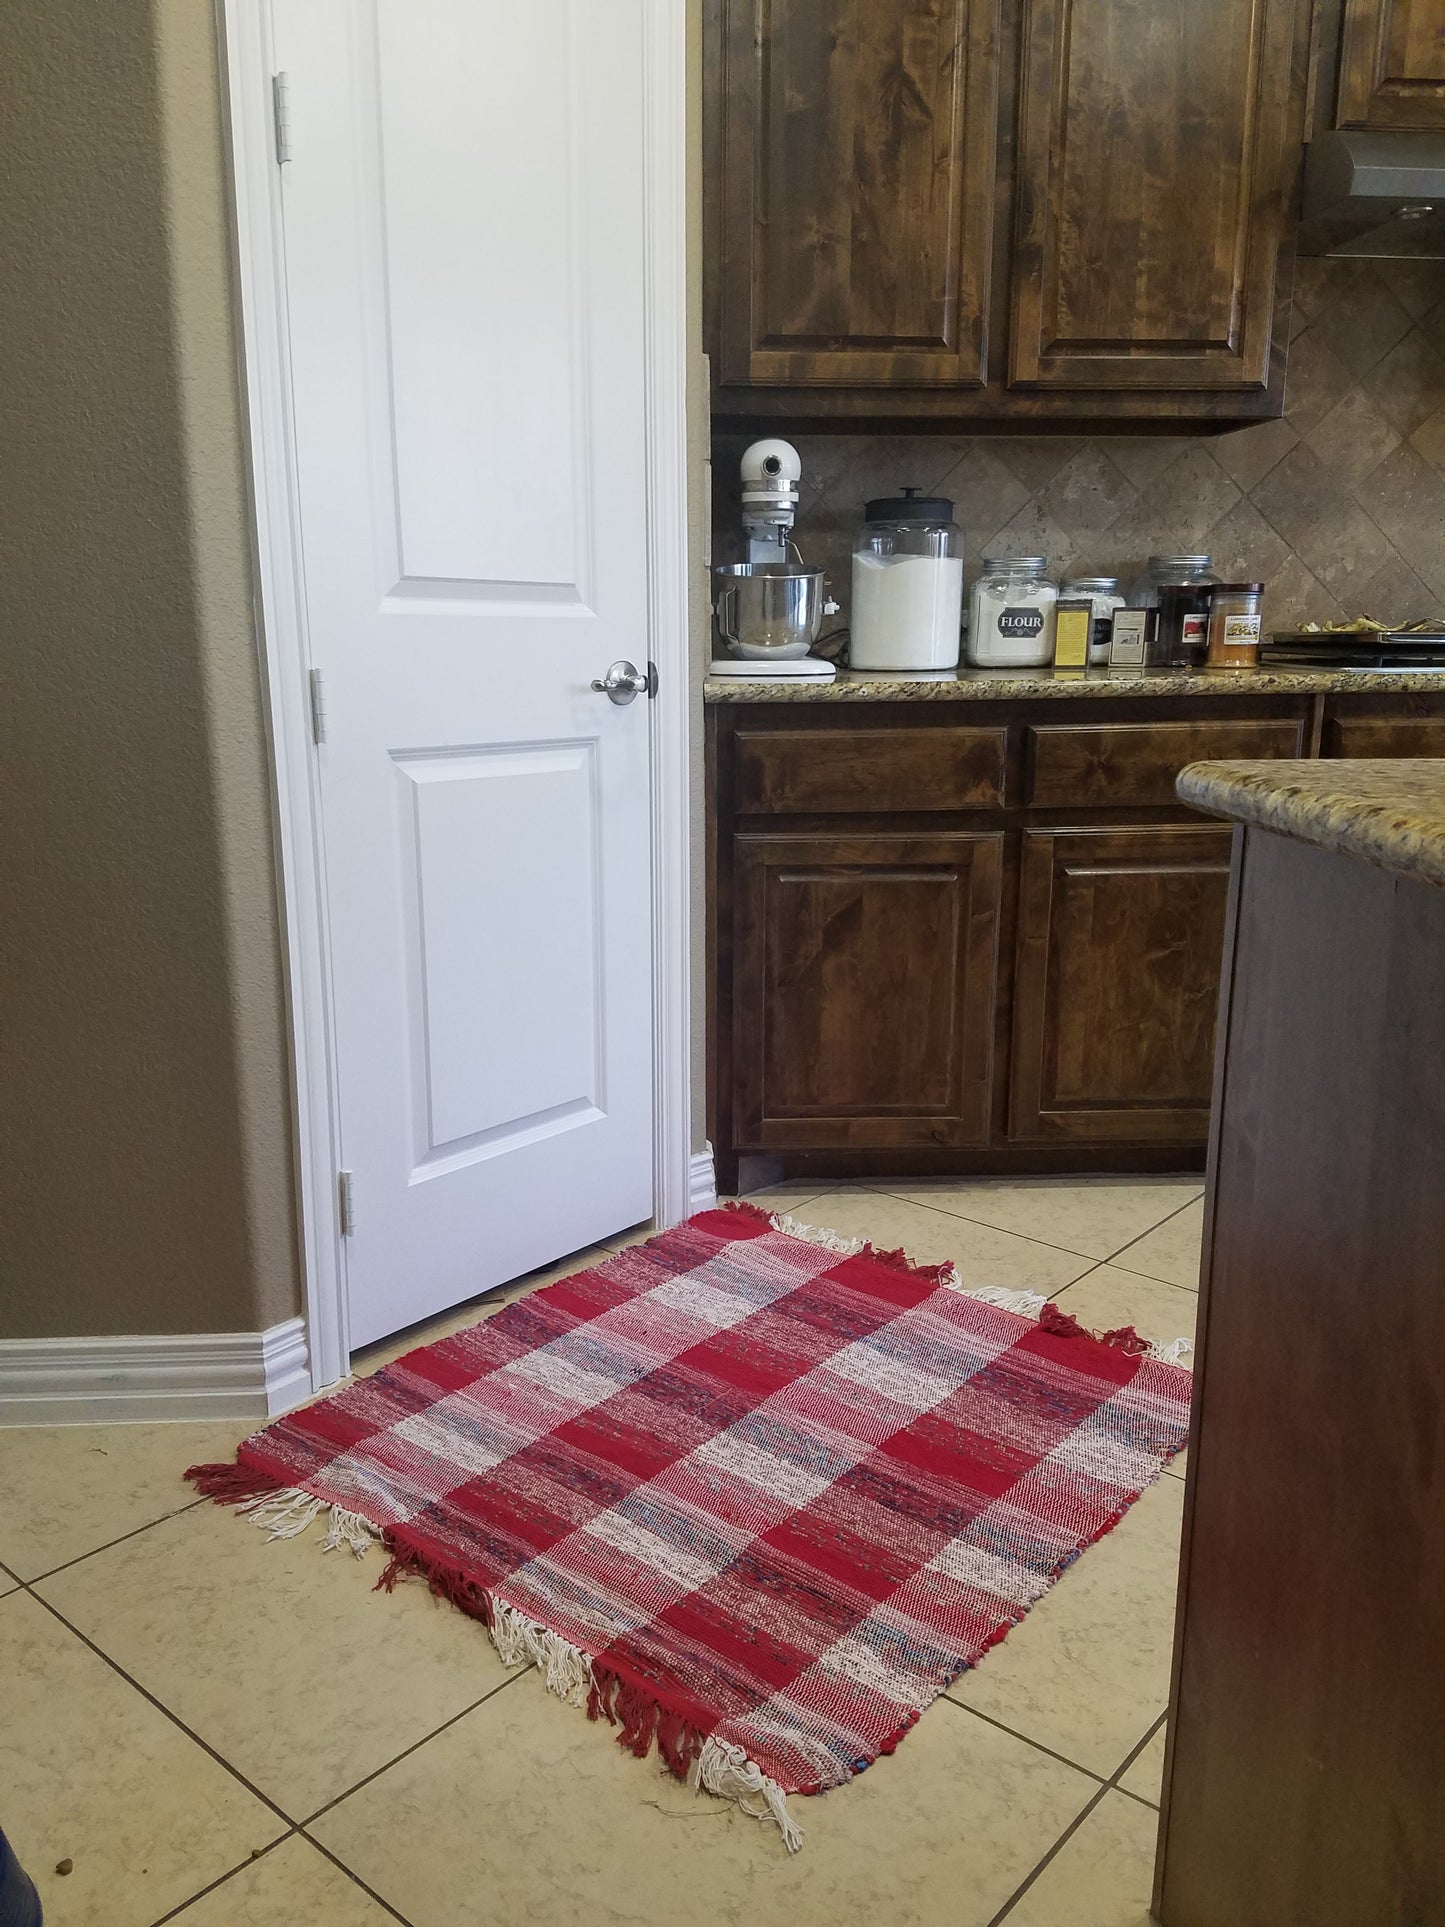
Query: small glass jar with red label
point(1234, 625)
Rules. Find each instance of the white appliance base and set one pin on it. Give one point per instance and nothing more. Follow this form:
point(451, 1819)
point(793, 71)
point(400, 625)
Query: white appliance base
point(809, 668)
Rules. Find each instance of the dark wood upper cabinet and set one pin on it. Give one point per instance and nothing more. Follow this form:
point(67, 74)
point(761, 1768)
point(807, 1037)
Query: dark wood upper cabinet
point(855, 146)
point(1151, 192)
point(1000, 211)
point(1392, 64)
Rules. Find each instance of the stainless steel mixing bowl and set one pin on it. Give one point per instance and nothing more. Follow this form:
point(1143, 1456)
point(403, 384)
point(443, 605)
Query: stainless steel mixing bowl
point(769, 611)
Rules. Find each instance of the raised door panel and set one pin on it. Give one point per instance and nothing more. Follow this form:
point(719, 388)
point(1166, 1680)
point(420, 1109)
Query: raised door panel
point(863, 990)
point(840, 770)
point(1157, 143)
point(855, 145)
point(1384, 736)
point(1119, 942)
point(1392, 64)
point(1073, 766)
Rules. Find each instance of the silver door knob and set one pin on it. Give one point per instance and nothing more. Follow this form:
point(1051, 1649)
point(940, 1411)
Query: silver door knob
point(623, 683)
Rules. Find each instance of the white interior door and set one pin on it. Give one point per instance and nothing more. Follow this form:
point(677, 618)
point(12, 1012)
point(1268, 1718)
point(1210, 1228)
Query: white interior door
point(463, 219)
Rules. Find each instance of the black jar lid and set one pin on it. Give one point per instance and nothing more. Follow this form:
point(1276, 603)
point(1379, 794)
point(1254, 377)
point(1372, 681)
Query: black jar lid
point(1237, 588)
point(910, 506)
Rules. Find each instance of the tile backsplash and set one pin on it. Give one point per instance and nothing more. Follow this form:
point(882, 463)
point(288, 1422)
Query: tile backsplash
point(1339, 507)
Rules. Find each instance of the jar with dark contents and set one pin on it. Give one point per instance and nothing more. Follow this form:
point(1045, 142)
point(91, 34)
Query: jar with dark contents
point(1179, 587)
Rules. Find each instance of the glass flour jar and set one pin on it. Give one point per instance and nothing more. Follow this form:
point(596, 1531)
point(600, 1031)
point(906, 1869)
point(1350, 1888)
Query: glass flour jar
point(1011, 614)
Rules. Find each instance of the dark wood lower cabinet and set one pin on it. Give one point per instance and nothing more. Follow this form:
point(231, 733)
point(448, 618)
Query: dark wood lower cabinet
point(863, 989)
point(1119, 935)
point(983, 935)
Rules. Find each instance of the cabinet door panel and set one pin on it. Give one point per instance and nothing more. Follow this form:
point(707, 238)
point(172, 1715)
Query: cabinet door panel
point(1153, 168)
point(863, 989)
point(1392, 64)
point(1119, 943)
point(1380, 736)
point(857, 149)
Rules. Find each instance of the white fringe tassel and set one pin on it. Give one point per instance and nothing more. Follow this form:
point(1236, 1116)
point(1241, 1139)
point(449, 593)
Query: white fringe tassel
point(1028, 1304)
point(288, 1513)
point(566, 1668)
point(727, 1771)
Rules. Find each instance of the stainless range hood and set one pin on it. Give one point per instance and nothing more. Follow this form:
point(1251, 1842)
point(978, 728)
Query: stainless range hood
point(1374, 196)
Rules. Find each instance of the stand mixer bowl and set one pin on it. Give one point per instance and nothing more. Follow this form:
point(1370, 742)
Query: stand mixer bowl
point(769, 611)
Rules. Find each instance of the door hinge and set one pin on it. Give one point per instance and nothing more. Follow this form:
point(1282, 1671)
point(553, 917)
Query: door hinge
point(345, 1204)
point(281, 117)
point(318, 708)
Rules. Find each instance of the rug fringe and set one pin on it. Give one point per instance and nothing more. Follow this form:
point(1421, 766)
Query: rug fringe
point(1027, 1304)
point(283, 1511)
point(725, 1770)
point(705, 1762)
point(230, 1483)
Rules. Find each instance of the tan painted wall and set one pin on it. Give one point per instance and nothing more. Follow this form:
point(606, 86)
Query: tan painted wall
point(146, 1183)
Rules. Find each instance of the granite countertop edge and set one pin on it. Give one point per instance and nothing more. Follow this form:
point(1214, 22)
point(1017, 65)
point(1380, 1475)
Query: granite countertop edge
point(1031, 685)
point(1390, 814)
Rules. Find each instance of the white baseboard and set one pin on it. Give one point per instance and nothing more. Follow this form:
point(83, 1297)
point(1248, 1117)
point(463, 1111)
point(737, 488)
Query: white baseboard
point(121, 1381)
point(701, 1183)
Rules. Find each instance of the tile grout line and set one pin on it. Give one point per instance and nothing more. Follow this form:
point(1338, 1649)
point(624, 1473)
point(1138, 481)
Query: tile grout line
point(1030, 1238)
point(1168, 1219)
point(1111, 1785)
point(119, 1540)
point(291, 1826)
point(425, 1740)
point(230, 1874)
point(341, 1865)
point(164, 1710)
point(1063, 1759)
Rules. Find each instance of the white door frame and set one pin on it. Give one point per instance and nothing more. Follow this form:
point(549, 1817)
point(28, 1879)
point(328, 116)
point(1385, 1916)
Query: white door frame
point(246, 43)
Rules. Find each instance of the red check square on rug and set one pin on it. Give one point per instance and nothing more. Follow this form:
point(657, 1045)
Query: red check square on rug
point(753, 1494)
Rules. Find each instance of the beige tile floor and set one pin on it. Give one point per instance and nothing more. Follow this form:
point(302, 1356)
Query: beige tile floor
point(229, 1733)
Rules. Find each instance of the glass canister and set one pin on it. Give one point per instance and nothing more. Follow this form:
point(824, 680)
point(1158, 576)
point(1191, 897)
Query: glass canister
point(1011, 614)
point(907, 584)
point(1234, 623)
point(1103, 592)
point(1179, 587)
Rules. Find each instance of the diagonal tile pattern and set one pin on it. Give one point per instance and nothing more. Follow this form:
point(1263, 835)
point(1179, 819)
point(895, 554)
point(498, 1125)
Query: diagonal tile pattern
point(221, 1730)
point(1338, 506)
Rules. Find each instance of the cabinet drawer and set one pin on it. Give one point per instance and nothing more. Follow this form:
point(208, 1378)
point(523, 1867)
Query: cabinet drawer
point(1079, 765)
point(1384, 736)
point(781, 772)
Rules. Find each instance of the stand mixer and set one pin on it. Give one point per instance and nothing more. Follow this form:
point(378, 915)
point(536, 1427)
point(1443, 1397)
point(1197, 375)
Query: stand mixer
point(769, 609)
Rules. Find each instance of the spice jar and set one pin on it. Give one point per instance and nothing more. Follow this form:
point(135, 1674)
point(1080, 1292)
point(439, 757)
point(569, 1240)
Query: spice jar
point(1103, 593)
point(1234, 618)
point(1011, 614)
point(1179, 587)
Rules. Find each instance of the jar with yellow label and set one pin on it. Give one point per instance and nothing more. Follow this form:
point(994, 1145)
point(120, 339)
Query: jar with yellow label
point(1234, 622)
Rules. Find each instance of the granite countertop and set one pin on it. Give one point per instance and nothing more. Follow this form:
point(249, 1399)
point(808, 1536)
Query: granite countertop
point(1388, 813)
point(989, 685)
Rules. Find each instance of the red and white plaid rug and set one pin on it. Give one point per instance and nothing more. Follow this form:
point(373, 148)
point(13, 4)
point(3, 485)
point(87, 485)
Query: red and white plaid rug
point(755, 1497)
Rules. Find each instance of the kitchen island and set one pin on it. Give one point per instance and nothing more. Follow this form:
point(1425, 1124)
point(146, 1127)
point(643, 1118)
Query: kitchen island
point(1307, 1713)
point(963, 923)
